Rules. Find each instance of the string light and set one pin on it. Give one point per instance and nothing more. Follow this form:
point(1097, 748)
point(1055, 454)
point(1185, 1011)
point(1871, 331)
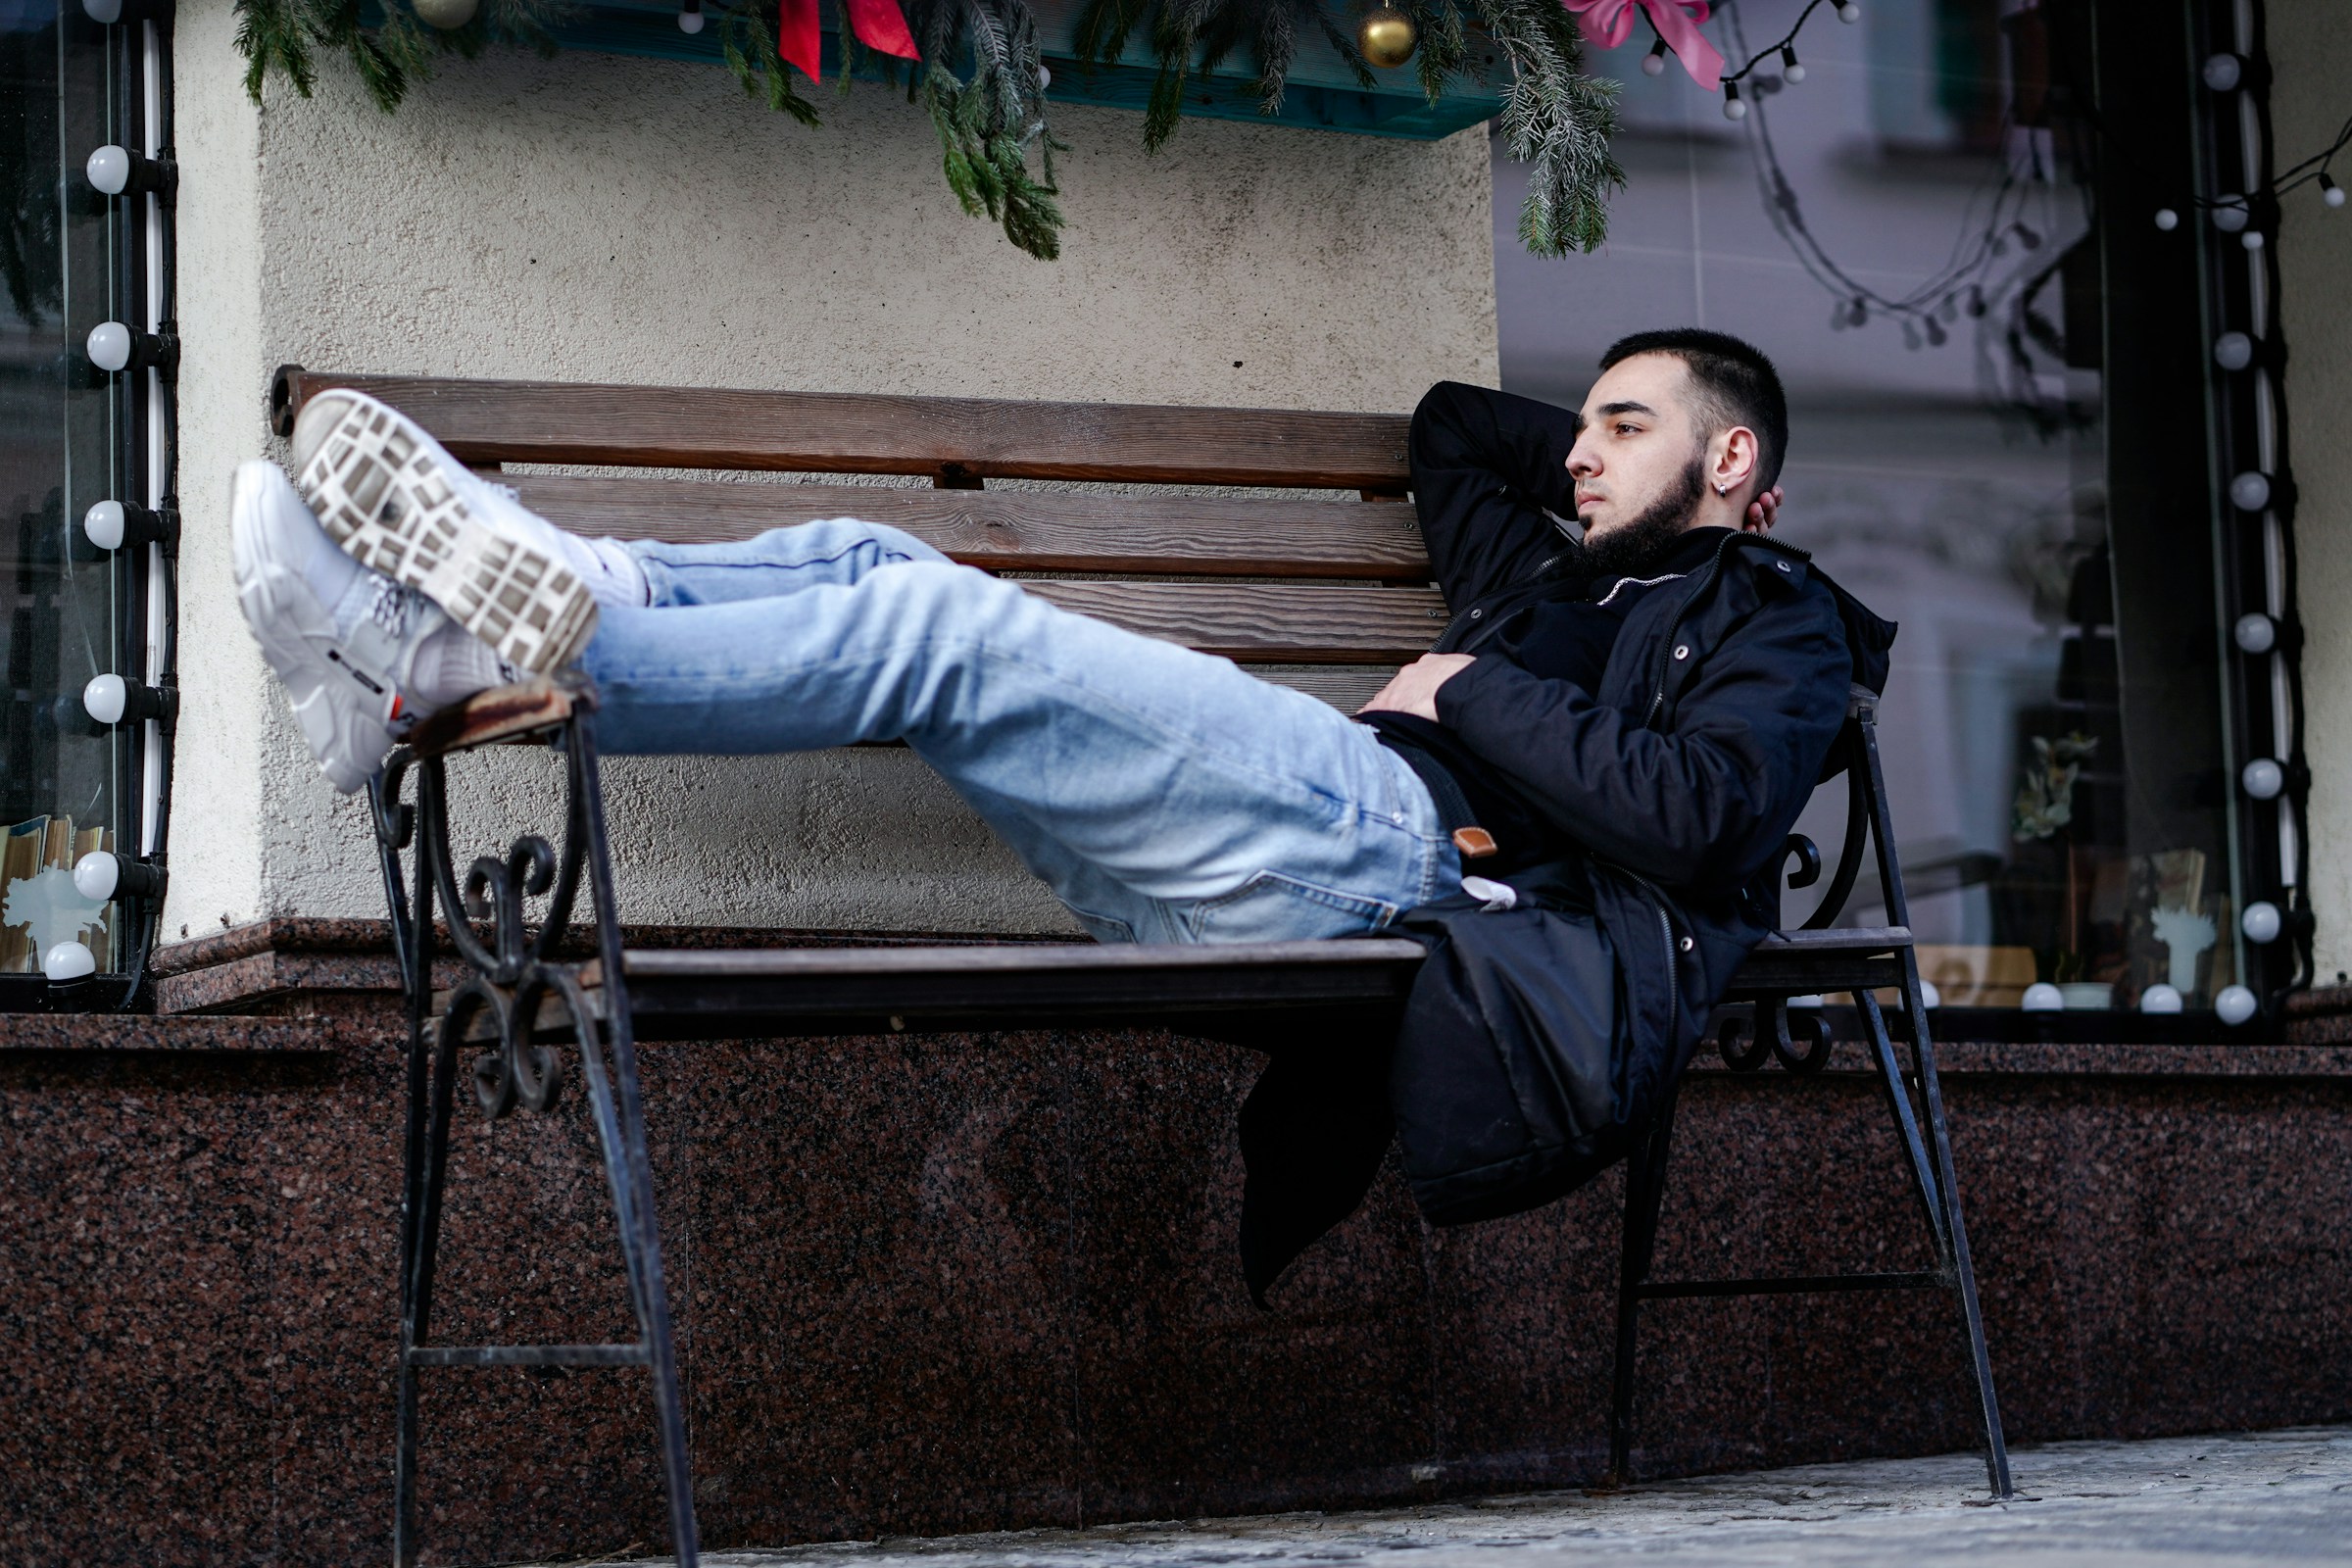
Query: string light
point(690, 16)
point(1792, 69)
point(2233, 350)
point(1653, 64)
point(1734, 105)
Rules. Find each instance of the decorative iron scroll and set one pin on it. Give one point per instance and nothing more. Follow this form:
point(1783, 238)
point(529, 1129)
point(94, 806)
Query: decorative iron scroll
point(515, 982)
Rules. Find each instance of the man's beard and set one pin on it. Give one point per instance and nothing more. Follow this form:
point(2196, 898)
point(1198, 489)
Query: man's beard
point(1635, 549)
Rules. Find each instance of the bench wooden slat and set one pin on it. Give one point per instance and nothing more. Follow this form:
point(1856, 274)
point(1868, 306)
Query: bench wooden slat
point(841, 432)
point(1014, 531)
point(814, 992)
point(1268, 622)
point(1012, 958)
point(1842, 958)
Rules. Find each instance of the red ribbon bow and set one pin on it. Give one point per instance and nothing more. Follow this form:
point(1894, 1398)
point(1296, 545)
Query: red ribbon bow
point(878, 25)
point(1609, 22)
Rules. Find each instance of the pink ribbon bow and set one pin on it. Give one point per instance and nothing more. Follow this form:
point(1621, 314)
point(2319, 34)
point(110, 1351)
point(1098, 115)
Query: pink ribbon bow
point(1609, 22)
point(878, 23)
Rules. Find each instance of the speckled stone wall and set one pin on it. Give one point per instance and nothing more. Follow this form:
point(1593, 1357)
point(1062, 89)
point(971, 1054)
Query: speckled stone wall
point(952, 1284)
point(593, 217)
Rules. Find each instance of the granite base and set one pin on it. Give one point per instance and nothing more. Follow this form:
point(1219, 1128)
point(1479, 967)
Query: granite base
point(953, 1284)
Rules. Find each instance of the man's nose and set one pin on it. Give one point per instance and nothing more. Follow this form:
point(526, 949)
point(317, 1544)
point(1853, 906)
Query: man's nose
point(1581, 464)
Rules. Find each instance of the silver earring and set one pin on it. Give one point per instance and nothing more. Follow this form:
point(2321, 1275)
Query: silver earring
point(1723, 489)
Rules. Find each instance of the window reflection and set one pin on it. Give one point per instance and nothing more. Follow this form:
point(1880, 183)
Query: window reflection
point(1911, 232)
point(61, 447)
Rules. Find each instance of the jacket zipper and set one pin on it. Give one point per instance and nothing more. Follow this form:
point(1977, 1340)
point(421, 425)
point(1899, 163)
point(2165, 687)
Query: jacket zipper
point(1674, 967)
point(1479, 604)
point(1658, 697)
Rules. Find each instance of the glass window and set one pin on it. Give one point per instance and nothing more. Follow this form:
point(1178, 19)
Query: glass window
point(70, 436)
point(1982, 449)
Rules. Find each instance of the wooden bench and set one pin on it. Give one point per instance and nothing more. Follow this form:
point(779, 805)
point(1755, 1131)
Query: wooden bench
point(1321, 592)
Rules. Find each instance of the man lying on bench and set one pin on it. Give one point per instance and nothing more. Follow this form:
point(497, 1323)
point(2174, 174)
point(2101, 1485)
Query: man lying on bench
point(1633, 721)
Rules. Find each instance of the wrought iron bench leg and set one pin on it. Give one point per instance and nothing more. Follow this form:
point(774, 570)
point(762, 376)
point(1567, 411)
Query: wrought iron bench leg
point(510, 978)
point(1955, 1230)
point(1644, 1196)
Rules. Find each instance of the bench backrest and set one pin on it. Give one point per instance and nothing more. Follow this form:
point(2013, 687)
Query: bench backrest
point(1327, 594)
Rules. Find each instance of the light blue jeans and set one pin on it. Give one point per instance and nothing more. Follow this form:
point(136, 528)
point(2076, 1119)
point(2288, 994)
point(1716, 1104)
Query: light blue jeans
point(1162, 794)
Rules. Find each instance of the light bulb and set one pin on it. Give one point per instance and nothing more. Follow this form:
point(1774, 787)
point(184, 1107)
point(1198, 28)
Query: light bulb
point(105, 697)
point(103, 523)
point(2167, 220)
point(1849, 11)
point(2236, 1005)
point(1653, 64)
point(1734, 105)
point(2231, 216)
point(2251, 239)
point(2250, 491)
point(690, 21)
point(1929, 997)
point(1792, 69)
point(69, 961)
point(2330, 191)
point(106, 13)
point(96, 874)
point(2263, 778)
point(1044, 77)
point(109, 346)
point(2233, 350)
point(2255, 632)
point(2222, 72)
point(2262, 923)
point(2042, 997)
point(109, 169)
point(2160, 998)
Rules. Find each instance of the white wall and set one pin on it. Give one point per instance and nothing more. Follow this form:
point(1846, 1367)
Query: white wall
point(2311, 50)
point(604, 219)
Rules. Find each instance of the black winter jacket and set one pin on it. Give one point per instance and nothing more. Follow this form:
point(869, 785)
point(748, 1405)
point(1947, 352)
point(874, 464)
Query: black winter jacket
point(1670, 785)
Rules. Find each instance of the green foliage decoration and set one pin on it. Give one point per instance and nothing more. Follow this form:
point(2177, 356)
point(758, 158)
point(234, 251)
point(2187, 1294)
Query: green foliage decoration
point(1555, 118)
point(282, 36)
point(990, 114)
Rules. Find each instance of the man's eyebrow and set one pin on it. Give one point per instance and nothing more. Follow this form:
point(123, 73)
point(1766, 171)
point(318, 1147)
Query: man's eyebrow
point(1610, 411)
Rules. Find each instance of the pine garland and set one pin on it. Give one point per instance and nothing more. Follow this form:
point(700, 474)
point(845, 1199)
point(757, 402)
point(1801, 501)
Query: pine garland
point(990, 118)
point(1554, 118)
point(280, 35)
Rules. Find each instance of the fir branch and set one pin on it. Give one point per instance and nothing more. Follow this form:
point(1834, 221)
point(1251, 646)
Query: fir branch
point(1558, 121)
point(748, 47)
point(989, 124)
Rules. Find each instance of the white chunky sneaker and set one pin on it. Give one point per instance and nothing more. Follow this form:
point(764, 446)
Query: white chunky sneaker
point(337, 635)
point(395, 499)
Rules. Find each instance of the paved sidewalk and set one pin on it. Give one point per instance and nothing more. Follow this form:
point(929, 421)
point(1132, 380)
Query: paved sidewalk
point(2246, 1498)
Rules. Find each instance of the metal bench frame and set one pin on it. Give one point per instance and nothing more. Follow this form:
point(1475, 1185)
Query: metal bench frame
point(523, 1009)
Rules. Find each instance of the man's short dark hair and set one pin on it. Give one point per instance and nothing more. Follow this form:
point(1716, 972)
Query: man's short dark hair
point(1735, 384)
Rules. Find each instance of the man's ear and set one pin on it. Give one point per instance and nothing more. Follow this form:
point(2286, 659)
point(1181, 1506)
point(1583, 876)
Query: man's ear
point(1734, 459)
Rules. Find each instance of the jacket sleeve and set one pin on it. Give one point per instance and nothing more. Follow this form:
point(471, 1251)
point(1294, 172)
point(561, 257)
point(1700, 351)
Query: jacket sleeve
point(1703, 805)
point(1487, 465)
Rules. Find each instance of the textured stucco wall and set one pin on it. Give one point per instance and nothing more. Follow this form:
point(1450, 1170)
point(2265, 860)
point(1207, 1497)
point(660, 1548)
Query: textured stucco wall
point(2315, 259)
point(594, 218)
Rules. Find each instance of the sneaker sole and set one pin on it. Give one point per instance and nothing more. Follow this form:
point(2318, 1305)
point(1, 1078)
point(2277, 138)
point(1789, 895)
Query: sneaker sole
point(380, 488)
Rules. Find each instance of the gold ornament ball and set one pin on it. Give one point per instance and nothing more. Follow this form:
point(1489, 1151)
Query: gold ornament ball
point(446, 15)
point(1386, 37)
